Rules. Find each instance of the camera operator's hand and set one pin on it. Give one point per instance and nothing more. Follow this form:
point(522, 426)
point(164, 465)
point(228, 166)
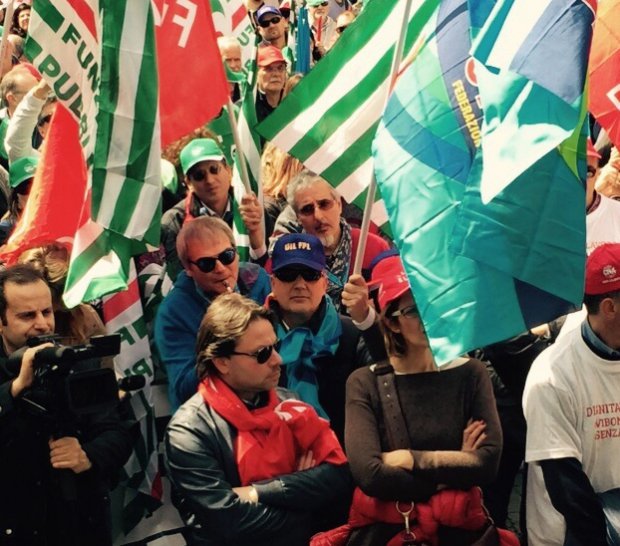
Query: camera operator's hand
point(26, 374)
point(67, 452)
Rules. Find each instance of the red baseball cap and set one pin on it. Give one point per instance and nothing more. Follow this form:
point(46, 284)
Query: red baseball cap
point(267, 55)
point(603, 270)
point(389, 275)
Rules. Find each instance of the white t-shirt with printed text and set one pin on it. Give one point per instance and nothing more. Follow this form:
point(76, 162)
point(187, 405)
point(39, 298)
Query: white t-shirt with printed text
point(571, 403)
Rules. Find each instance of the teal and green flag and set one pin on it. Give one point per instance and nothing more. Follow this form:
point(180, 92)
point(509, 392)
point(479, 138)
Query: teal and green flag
point(429, 160)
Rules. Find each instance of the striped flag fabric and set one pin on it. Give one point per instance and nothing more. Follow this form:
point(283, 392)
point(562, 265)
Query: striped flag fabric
point(604, 70)
point(427, 156)
point(329, 119)
point(123, 314)
point(100, 59)
point(250, 153)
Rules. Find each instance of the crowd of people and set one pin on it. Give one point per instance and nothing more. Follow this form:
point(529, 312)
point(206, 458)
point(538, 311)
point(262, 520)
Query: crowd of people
point(307, 407)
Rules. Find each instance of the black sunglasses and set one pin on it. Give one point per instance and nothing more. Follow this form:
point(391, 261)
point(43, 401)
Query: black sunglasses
point(206, 264)
point(341, 29)
point(274, 20)
point(44, 120)
point(322, 204)
point(201, 174)
point(291, 275)
point(263, 354)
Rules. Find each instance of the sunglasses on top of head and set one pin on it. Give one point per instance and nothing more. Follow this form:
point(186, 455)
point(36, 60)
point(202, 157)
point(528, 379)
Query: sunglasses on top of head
point(263, 354)
point(206, 264)
point(291, 275)
point(266, 22)
point(199, 175)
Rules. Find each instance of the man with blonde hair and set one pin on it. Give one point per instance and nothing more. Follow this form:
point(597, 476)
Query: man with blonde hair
point(206, 248)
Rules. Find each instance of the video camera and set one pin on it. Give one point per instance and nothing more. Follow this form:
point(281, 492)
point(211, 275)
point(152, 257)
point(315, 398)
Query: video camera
point(68, 380)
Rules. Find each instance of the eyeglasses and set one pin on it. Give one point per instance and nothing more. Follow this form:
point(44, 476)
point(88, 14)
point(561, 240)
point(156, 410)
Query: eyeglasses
point(322, 204)
point(274, 20)
point(44, 120)
point(323, 4)
point(410, 311)
point(263, 354)
point(341, 29)
point(206, 264)
point(591, 172)
point(201, 174)
point(291, 275)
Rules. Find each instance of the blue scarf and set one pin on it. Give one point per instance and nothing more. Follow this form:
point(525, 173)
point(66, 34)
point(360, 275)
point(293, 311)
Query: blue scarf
point(299, 346)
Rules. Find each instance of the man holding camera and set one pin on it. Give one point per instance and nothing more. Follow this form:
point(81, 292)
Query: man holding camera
point(54, 476)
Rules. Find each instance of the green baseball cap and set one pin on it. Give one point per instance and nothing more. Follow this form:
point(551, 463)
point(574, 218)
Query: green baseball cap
point(169, 178)
point(200, 149)
point(22, 169)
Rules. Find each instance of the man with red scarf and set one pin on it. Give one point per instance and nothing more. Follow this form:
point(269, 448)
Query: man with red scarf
point(248, 464)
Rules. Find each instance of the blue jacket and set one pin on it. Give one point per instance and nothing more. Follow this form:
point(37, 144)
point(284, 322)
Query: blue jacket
point(178, 320)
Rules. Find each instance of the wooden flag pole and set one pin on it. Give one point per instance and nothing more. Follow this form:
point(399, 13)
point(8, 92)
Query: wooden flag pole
point(372, 187)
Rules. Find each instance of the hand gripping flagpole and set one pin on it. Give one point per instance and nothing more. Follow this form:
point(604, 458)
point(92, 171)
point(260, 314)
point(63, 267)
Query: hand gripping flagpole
point(372, 188)
point(8, 19)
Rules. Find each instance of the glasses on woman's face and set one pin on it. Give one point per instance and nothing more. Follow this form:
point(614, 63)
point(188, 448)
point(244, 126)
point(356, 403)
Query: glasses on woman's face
point(263, 354)
point(341, 29)
point(198, 175)
point(291, 275)
point(321, 204)
point(206, 264)
point(409, 311)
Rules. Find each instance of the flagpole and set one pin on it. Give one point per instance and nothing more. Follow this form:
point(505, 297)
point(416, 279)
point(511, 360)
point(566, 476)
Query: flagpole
point(8, 18)
point(372, 187)
point(243, 168)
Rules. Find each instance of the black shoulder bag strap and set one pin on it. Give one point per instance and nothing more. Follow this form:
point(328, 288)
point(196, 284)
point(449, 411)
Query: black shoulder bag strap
point(394, 421)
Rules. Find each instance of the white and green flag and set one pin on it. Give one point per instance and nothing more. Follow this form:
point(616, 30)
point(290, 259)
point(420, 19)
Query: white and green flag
point(330, 118)
point(99, 57)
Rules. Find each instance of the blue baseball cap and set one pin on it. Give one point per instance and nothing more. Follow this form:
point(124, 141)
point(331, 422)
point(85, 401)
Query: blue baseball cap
point(266, 10)
point(298, 250)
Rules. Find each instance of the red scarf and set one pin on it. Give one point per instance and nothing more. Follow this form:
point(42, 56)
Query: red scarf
point(271, 439)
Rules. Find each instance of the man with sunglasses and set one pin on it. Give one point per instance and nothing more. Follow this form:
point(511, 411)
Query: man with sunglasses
point(316, 208)
point(319, 347)
point(208, 178)
point(206, 248)
point(322, 25)
point(248, 464)
point(272, 26)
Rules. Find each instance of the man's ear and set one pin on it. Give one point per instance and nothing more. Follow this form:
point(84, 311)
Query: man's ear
point(222, 364)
